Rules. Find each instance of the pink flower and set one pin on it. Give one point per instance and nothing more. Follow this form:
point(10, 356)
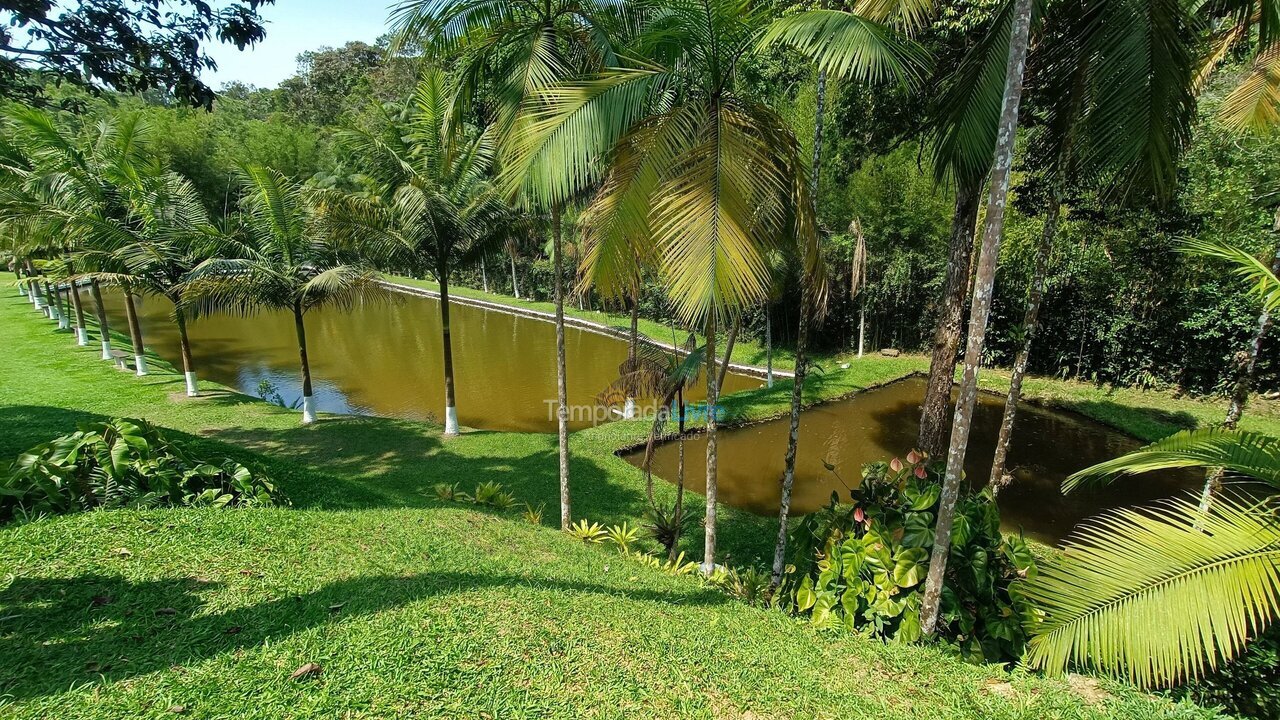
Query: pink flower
point(920, 473)
point(895, 465)
point(858, 515)
point(914, 457)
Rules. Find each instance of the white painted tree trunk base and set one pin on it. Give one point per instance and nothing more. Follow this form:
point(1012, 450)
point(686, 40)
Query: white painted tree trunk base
point(629, 409)
point(450, 420)
point(768, 379)
point(22, 291)
point(192, 390)
point(82, 337)
point(63, 323)
point(106, 350)
point(308, 409)
point(140, 362)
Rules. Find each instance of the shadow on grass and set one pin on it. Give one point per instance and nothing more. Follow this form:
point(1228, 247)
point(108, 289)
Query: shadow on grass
point(362, 462)
point(97, 629)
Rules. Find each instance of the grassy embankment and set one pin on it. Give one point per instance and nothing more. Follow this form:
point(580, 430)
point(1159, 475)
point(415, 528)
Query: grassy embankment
point(414, 608)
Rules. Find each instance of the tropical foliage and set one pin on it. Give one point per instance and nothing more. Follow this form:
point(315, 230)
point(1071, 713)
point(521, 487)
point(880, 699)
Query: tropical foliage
point(1164, 594)
point(861, 565)
point(124, 463)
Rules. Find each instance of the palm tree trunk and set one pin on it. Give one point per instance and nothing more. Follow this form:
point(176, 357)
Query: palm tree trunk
point(862, 324)
point(308, 402)
point(450, 399)
point(82, 329)
point(188, 364)
point(104, 330)
point(135, 333)
point(17, 273)
point(484, 276)
point(34, 286)
point(797, 383)
point(677, 515)
point(562, 392)
point(946, 336)
point(515, 286)
point(1244, 383)
point(633, 344)
point(52, 301)
point(768, 347)
point(1030, 324)
point(979, 313)
point(64, 306)
point(728, 351)
point(713, 389)
point(793, 437)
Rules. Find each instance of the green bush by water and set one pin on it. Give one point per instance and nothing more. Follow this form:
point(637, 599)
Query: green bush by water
point(862, 566)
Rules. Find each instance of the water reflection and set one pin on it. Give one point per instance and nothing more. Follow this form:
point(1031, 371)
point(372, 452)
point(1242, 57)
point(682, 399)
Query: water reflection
point(384, 359)
point(879, 424)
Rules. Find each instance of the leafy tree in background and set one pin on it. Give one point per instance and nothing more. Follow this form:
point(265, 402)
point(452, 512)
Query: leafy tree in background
point(128, 45)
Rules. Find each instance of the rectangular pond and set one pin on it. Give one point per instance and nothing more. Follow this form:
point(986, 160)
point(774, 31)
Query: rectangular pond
point(386, 359)
point(879, 424)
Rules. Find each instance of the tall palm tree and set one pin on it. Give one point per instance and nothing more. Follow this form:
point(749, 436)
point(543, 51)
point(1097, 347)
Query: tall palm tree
point(278, 258)
point(165, 232)
point(702, 180)
point(1262, 278)
point(1019, 38)
point(519, 49)
point(1133, 57)
point(1081, 103)
point(432, 208)
point(1162, 595)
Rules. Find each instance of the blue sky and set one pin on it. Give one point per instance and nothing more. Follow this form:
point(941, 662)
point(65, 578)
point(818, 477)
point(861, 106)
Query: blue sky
point(292, 27)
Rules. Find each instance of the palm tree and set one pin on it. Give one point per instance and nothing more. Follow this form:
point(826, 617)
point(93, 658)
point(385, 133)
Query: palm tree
point(152, 252)
point(1262, 278)
point(858, 279)
point(1076, 144)
point(1131, 56)
point(278, 259)
point(702, 180)
point(1162, 595)
point(432, 209)
point(67, 186)
point(1020, 31)
point(519, 49)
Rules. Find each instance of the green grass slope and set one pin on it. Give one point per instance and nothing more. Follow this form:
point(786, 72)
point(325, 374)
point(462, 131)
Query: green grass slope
point(412, 608)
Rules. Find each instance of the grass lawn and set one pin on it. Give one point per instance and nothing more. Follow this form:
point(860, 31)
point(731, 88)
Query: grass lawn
point(411, 606)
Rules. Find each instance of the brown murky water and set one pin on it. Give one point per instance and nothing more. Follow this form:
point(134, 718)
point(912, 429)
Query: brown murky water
point(1047, 447)
point(385, 359)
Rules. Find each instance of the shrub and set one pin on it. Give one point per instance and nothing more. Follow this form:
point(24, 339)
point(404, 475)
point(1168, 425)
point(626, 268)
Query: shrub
point(862, 566)
point(124, 463)
point(588, 532)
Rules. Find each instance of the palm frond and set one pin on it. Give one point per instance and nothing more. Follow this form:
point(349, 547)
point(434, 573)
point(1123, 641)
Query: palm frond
point(850, 46)
point(1264, 283)
point(1157, 596)
point(1254, 104)
point(1238, 451)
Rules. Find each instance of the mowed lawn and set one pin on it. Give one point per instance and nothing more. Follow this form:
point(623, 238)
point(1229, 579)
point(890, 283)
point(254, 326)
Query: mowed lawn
point(411, 607)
